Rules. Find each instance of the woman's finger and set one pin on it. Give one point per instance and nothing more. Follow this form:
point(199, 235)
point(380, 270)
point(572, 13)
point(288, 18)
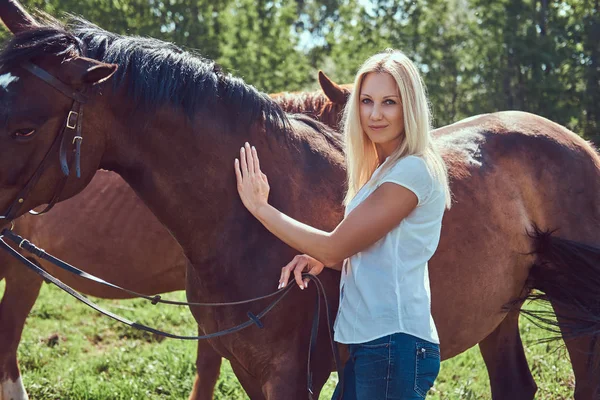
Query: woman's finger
point(285, 273)
point(256, 161)
point(243, 162)
point(250, 158)
point(238, 173)
point(298, 274)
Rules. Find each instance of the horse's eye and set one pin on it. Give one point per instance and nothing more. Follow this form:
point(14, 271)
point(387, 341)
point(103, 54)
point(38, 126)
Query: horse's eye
point(23, 133)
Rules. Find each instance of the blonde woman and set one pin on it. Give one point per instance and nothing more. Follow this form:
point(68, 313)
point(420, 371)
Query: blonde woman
point(397, 193)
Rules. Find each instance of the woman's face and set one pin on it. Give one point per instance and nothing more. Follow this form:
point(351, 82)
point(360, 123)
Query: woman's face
point(381, 115)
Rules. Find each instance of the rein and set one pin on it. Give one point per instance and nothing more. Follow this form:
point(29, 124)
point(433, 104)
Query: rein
point(253, 319)
point(28, 246)
point(73, 125)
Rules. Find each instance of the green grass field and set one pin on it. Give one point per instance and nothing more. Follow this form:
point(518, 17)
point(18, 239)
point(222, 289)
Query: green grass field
point(69, 351)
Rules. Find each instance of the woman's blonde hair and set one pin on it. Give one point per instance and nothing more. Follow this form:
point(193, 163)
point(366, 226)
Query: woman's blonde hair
point(361, 155)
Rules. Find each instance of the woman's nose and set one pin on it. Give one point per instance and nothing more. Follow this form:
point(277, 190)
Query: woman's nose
point(376, 112)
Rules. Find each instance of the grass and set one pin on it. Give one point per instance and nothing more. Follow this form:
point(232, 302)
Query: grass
point(68, 351)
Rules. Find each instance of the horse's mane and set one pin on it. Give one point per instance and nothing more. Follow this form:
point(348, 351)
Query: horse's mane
point(315, 104)
point(157, 73)
point(333, 137)
point(309, 103)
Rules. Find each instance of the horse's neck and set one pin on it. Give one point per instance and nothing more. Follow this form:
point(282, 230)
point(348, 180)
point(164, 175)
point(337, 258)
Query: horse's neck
point(189, 183)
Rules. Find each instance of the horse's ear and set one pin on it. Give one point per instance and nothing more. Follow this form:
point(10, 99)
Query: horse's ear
point(99, 73)
point(15, 17)
point(82, 71)
point(332, 90)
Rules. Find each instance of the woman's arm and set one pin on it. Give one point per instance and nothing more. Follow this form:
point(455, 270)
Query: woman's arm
point(384, 209)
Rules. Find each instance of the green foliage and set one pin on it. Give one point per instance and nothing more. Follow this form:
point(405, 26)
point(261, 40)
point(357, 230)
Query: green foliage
point(539, 61)
point(480, 56)
point(253, 48)
point(477, 56)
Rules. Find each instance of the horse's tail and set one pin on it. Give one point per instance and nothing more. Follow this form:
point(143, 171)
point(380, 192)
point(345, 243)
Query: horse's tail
point(566, 274)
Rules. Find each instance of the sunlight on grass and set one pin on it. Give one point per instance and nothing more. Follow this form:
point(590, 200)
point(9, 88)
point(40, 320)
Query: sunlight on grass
point(70, 351)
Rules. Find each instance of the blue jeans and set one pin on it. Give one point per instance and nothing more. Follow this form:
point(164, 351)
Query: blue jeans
point(397, 366)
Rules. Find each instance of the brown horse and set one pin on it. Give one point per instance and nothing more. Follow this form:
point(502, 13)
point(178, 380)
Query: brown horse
point(470, 147)
point(150, 261)
point(500, 194)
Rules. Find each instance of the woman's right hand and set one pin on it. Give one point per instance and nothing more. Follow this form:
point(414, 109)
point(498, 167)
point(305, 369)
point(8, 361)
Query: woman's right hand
point(301, 263)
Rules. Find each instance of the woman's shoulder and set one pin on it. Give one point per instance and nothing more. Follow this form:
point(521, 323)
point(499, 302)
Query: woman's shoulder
point(411, 163)
point(412, 172)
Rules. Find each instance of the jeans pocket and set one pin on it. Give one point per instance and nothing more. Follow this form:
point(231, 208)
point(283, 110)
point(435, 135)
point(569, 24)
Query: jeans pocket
point(371, 361)
point(427, 366)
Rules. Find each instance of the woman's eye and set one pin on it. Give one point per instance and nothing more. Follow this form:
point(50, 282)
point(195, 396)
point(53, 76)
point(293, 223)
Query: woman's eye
point(390, 102)
point(365, 101)
point(23, 133)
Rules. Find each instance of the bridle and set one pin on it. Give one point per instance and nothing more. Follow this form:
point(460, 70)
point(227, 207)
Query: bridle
point(70, 137)
point(68, 140)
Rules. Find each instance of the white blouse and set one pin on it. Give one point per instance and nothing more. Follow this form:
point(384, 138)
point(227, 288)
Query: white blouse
point(385, 288)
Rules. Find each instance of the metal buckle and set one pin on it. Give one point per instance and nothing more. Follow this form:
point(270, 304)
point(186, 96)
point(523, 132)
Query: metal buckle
point(72, 113)
point(76, 138)
point(12, 222)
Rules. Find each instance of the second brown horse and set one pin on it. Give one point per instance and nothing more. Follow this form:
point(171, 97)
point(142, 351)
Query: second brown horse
point(87, 232)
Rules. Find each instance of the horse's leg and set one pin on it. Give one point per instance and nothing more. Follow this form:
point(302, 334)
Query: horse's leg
point(585, 358)
point(502, 351)
point(22, 289)
point(248, 382)
point(285, 382)
point(208, 367)
point(286, 378)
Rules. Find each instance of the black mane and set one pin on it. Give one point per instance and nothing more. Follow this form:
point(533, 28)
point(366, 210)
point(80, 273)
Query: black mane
point(158, 73)
point(331, 135)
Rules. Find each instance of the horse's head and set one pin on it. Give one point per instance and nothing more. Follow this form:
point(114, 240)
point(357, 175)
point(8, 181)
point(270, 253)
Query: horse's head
point(331, 113)
point(45, 84)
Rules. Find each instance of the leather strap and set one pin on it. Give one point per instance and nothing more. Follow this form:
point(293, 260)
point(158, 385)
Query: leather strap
point(49, 278)
point(40, 253)
point(54, 82)
point(16, 205)
point(64, 141)
point(252, 319)
point(72, 124)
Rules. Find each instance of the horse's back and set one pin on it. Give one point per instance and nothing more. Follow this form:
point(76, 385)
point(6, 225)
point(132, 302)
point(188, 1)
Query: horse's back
point(521, 158)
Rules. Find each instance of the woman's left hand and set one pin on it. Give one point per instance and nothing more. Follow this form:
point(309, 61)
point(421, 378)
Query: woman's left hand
point(252, 184)
point(300, 264)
